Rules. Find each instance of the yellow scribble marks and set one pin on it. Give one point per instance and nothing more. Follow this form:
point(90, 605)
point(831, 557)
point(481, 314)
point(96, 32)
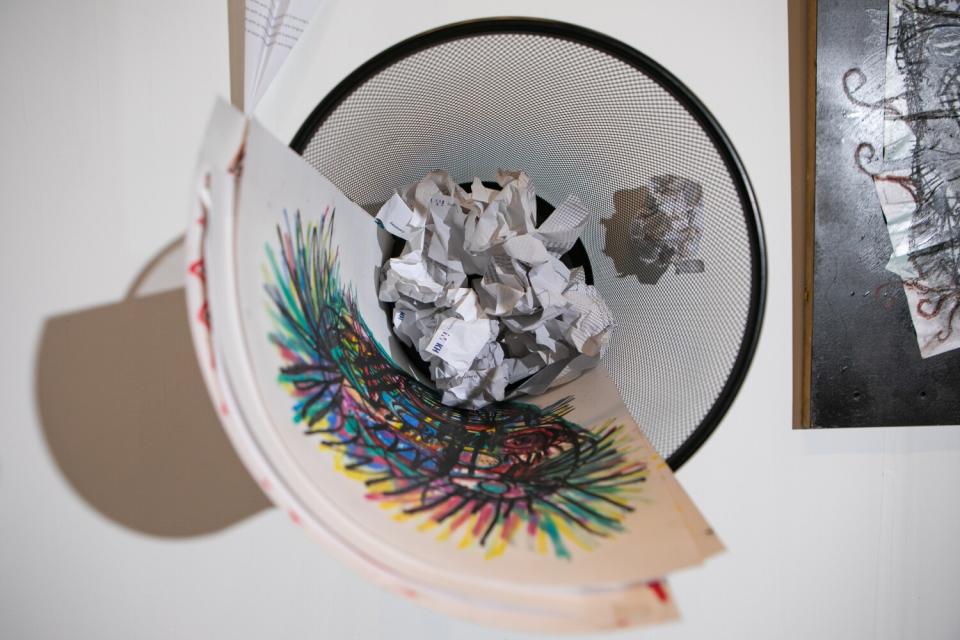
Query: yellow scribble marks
point(468, 536)
point(541, 542)
point(426, 525)
point(497, 549)
point(339, 460)
point(498, 543)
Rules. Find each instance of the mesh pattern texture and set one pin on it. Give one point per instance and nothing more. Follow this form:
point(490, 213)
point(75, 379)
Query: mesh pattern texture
point(578, 120)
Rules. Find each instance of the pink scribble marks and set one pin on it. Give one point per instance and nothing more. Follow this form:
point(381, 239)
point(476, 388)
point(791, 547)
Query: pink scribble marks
point(486, 514)
point(511, 524)
point(203, 315)
point(444, 512)
point(196, 269)
point(661, 593)
point(532, 524)
point(462, 517)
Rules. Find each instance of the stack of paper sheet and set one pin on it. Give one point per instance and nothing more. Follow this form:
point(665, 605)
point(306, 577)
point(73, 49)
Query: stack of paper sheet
point(548, 512)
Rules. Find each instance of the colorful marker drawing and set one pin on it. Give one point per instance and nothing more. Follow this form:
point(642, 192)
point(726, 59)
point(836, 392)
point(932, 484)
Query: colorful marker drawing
point(493, 477)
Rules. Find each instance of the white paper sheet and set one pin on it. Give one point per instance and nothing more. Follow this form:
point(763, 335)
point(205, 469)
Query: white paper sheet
point(272, 28)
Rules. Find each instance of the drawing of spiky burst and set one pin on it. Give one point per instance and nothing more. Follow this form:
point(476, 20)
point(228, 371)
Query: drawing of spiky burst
point(491, 477)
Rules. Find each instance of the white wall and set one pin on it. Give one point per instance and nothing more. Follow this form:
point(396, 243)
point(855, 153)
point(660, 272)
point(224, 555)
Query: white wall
point(833, 534)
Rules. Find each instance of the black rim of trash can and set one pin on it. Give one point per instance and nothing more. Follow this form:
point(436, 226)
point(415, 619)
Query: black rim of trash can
point(679, 91)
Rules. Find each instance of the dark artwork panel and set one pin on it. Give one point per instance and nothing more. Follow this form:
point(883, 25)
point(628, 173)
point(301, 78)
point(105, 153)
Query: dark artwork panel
point(866, 364)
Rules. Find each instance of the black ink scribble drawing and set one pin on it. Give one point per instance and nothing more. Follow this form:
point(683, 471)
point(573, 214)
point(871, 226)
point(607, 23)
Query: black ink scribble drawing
point(490, 476)
point(919, 185)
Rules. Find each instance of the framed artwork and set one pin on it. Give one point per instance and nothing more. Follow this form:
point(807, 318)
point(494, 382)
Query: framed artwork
point(884, 316)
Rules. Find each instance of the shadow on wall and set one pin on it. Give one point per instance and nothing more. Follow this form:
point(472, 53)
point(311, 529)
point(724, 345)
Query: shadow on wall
point(127, 418)
point(639, 257)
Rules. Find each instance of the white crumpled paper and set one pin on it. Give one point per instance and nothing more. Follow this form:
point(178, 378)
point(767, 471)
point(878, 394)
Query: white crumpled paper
point(480, 292)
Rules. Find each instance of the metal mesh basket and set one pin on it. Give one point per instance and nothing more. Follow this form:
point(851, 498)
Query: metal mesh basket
point(674, 241)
